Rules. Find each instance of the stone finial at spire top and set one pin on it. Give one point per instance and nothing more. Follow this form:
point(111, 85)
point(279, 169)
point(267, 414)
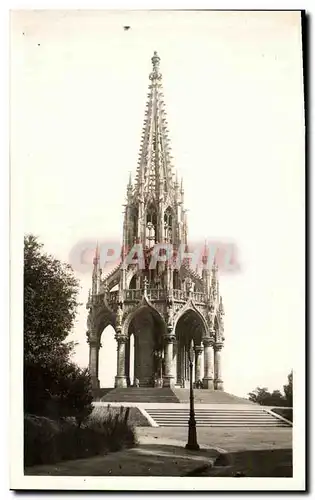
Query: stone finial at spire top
point(129, 185)
point(155, 61)
point(155, 74)
point(205, 254)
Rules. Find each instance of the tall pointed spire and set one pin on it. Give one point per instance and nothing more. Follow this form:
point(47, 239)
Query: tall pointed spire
point(129, 188)
point(214, 280)
point(154, 173)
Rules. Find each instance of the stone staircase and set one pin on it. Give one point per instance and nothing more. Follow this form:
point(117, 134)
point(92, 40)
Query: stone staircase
point(203, 396)
point(140, 395)
point(224, 416)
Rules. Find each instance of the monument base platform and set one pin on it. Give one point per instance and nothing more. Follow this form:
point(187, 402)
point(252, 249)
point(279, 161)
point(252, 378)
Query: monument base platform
point(166, 395)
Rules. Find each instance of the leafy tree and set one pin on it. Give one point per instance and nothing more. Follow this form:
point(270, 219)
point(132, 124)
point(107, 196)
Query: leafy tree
point(288, 390)
point(262, 396)
point(50, 304)
point(259, 395)
point(53, 385)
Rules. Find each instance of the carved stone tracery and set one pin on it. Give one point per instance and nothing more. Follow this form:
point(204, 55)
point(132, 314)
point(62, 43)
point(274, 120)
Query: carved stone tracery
point(183, 306)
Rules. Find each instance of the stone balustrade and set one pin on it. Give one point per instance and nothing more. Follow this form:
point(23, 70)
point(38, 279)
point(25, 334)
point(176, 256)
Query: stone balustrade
point(135, 295)
point(179, 294)
point(198, 297)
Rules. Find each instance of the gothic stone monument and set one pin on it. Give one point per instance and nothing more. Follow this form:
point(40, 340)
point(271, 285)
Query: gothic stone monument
point(168, 309)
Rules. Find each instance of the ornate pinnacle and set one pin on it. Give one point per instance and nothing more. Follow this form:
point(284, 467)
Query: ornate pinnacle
point(129, 186)
point(205, 254)
point(176, 180)
point(96, 256)
point(155, 61)
point(155, 75)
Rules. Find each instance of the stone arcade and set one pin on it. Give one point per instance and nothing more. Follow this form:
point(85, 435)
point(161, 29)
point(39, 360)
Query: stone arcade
point(167, 308)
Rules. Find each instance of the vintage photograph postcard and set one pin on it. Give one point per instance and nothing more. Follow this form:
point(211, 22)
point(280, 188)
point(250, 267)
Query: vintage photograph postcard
point(157, 168)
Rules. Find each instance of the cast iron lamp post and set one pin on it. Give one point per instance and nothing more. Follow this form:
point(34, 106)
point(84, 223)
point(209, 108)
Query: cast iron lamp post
point(192, 433)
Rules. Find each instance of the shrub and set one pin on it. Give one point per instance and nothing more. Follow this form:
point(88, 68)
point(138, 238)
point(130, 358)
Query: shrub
point(48, 441)
point(135, 417)
point(115, 426)
point(54, 386)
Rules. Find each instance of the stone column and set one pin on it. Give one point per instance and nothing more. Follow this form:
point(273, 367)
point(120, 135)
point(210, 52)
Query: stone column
point(120, 379)
point(178, 363)
point(198, 352)
point(218, 382)
point(208, 364)
point(127, 362)
point(93, 363)
point(168, 378)
point(174, 362)
point(182, 363)
point(187, 374)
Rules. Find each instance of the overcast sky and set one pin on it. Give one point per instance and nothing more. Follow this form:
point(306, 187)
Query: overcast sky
point(234, 95)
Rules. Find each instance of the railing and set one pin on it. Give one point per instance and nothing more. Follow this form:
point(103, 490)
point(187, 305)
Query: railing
point(179, 295)
point(133, 294)
point(198, 296)
point(152, 293)
point(155, 294)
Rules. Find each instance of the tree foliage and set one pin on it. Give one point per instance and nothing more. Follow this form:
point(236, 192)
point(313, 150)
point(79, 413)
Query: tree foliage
point(288, 390)
point(262, 396)
point(53, 385)
point(50, 304)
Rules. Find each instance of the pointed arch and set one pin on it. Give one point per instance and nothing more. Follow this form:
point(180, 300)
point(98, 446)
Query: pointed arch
point(131, 278)
point(191, 307)
point(150, 225)
point(168, 222)
point(144, 305)
point(148, 329)
point(101, 319)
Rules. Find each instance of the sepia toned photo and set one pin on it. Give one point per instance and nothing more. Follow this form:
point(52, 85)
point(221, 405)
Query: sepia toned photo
point(157, 165)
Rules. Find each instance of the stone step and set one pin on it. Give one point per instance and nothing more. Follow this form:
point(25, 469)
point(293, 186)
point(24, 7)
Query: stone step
point(140, 395)
point(209, 397)
point(212, 417)
point(223, 425)
point(215, 418)
point(214, 411)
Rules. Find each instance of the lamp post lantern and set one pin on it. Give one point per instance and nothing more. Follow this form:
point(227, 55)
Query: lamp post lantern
point(192, 443)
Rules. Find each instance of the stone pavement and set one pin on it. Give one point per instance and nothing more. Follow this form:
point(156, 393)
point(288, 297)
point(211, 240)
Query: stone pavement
point(162, 452)
point(230, 439)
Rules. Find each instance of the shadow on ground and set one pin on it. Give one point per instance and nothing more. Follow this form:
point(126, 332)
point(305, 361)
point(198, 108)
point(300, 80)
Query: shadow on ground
point(252, 463)
point(145, 460)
